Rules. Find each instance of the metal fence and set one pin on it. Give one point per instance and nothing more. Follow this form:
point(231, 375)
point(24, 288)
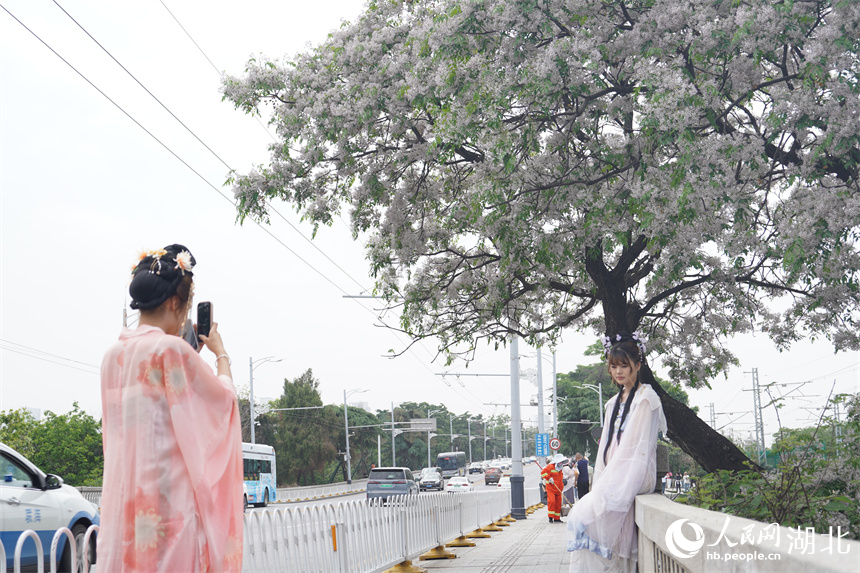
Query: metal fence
point(366, 536)
point(357, 536)
point(79, 563)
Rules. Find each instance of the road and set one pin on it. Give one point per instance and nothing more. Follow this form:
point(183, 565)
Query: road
point(530, 471)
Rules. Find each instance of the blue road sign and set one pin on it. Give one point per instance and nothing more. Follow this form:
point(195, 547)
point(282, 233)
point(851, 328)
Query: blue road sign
point(542, 445)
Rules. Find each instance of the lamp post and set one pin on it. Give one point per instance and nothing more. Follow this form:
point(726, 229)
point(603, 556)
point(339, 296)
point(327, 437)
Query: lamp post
point(346, 428)
point(599, 390)
point(430, 415)
point(541, 426)
point(469, 421)
point(252, 364)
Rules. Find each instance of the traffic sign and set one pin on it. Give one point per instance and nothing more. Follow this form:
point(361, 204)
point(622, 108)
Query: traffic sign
point(555, 444)
point(541, 445)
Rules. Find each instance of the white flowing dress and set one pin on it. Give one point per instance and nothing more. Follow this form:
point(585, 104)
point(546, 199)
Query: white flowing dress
point(601, 528)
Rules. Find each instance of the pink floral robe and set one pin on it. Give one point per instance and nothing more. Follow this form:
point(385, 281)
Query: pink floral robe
point(172, 497)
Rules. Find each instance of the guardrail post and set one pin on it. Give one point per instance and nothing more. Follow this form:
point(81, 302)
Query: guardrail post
point(340, 546)
point(406, 565)
point(40, 563)
point(439, 551)
point(55, 542)
point(461, 541)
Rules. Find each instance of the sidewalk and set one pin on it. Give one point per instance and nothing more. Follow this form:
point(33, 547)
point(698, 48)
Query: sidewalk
point(529, 545)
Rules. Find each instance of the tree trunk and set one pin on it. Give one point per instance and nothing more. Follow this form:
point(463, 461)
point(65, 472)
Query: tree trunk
point(709, 448)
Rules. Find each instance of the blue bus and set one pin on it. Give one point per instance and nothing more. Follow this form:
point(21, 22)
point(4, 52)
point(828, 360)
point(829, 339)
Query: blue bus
point(451, 464)
point(260, 474)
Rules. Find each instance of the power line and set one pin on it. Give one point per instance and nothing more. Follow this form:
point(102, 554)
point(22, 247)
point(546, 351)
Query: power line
point(192, 39)
point(220, 73)
point(200, 176)
point(17, 351)
point(174, 154)
point(189, 130)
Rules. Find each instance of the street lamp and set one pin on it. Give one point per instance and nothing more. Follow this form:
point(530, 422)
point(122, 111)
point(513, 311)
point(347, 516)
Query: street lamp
point(346, 427)
point(430, 415)
point(252, 364)
point(554, 394)
point(599, 390)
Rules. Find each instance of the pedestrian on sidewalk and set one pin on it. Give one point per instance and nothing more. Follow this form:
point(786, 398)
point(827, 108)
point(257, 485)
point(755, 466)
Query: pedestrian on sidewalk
point(601, 527)
point(581, 475)
point(569, 474)
point(554, 481)
point(172, 497)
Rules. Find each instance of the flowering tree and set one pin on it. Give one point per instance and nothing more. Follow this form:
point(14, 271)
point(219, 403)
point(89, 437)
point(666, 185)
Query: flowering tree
point(685, 169)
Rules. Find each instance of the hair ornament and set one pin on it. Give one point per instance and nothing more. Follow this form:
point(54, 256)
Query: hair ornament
point(607, 343)
point(157, 275)
point(640, 341)
point(183, 262)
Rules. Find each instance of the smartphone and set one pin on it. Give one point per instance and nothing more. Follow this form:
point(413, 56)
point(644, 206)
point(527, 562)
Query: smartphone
point(204, 318)
point(187, 334)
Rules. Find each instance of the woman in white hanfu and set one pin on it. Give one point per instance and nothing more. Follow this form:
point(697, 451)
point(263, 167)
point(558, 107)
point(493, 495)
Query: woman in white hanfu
point(601, 528)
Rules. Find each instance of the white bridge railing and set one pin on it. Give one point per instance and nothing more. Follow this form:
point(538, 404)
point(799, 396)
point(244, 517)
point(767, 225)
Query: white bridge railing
point(285, 494)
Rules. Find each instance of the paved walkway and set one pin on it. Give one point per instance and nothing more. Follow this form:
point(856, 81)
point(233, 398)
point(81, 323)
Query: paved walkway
point(529, 545)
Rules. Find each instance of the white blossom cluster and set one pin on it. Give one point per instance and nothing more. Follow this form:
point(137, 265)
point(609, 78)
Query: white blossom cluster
point(685, 169)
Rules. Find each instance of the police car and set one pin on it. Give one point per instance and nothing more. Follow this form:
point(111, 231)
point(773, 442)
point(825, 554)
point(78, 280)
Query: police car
point(43, 503)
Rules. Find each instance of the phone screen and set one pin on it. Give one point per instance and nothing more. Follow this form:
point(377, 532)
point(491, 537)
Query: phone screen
point(204, 318)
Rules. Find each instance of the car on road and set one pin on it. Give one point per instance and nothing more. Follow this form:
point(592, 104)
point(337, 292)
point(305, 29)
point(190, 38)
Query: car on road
point(492, 475)
point(432, 480)
point(387, 482)
point(476, 468)
point(505, 482)
point(456, 484)
point(34, 500)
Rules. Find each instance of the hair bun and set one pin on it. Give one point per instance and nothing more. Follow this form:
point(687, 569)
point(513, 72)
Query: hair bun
point(158, 274)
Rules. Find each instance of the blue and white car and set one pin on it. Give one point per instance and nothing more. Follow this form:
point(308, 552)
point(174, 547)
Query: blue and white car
point(31, 499)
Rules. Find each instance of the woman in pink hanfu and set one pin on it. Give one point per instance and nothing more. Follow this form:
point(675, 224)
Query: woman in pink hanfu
point(601, 527)
point(172, 499)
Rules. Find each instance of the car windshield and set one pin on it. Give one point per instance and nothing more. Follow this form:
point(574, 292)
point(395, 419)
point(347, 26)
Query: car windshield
point(432, 475)
point(380, 474)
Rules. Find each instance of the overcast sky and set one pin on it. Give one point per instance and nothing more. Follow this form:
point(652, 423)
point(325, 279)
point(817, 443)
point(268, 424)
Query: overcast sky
point(83, 189)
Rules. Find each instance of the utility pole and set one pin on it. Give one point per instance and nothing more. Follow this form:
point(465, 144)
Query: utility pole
point(518, 510)
point(469, 422)
point(346, 426)
point(713, 417)
point(541, 425)
point(554, 399)
point(759, 424)
point(393, 454)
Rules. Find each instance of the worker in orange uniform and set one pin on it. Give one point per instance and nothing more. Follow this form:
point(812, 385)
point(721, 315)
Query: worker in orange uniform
point(554, 480)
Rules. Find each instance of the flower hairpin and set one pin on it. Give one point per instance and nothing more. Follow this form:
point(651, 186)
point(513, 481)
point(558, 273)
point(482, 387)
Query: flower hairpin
point(183, 262)
point(638, 338)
